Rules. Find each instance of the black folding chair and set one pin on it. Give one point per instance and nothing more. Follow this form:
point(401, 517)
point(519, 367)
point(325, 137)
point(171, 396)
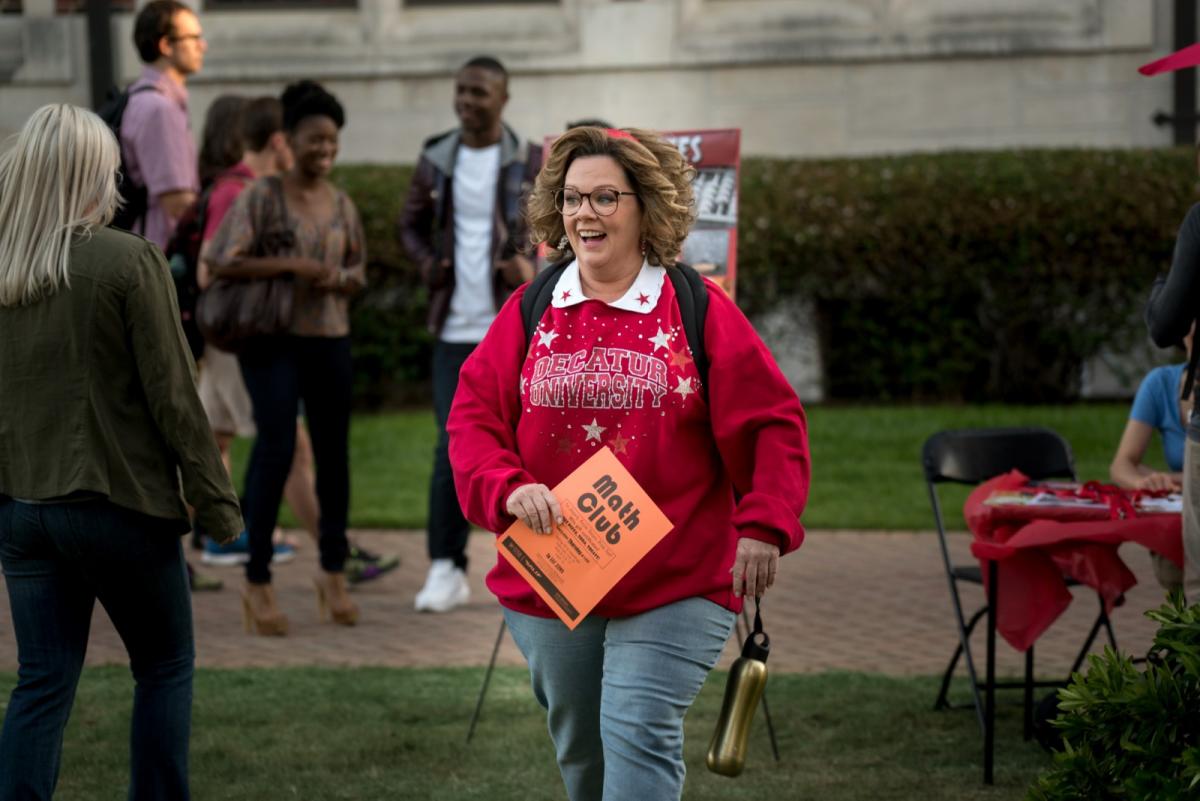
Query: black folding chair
point(971, 456)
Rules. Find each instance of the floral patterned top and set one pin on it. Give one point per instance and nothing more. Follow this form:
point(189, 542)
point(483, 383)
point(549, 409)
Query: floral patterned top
point(259, 225)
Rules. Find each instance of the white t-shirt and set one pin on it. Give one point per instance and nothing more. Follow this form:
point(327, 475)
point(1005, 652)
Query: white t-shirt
point(472, 307)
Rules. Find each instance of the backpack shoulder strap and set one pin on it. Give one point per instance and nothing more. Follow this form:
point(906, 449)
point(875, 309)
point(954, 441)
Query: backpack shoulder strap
point(1189, 376)
point(538, 296)
point(122, 102)
point(692, 297)
point(690, 294)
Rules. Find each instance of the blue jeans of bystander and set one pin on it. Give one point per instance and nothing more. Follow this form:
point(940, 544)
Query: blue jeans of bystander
point(58, 558)
point(616, 691)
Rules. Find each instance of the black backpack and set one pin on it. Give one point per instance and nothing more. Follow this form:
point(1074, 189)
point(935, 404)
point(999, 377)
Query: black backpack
point(134, 198)
point(690, 294)
point(183, 255)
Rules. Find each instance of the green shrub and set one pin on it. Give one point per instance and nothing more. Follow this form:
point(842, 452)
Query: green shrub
point(1132, 734)
point(964, 275)
point(953, 276)
point(391, 346)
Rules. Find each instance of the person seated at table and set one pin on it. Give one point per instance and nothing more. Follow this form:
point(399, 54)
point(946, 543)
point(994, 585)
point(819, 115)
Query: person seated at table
point(1156, 407)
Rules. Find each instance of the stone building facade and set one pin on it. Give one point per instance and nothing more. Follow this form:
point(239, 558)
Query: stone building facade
point(799, 77)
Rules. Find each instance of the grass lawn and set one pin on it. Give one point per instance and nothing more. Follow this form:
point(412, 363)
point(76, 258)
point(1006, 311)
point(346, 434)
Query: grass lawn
point(866, 469)
point(373, 733)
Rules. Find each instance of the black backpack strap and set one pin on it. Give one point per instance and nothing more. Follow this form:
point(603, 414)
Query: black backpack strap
point(202, 208)
point(120, 101)
point(537, 297)
point(1189, 381)
point(692, 297)
point(690, 294)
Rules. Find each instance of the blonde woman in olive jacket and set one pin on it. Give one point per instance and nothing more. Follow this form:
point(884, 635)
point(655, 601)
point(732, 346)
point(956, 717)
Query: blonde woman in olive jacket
point(100, 426)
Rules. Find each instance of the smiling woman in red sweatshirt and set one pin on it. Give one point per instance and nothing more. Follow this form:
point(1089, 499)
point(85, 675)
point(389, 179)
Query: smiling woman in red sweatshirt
point(609, 365)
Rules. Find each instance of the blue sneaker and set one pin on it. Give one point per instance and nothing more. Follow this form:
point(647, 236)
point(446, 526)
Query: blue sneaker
point(237, 552)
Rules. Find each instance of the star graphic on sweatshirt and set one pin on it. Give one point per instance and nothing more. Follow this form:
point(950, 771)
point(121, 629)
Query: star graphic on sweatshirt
point(680, 358)
point(566, 294)
point(643, 298)
point(547, 337)
point(685, 387)
point(618, 444)
point(661, 339)
point(593, 431)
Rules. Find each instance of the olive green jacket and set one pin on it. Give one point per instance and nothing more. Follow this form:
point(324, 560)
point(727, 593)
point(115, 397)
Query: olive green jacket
point(98, 392)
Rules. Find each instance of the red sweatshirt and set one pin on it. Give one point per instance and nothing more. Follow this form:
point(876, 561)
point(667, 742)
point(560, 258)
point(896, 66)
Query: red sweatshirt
point(622, 375)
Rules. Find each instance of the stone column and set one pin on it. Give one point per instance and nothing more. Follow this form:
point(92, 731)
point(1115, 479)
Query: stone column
point(45, 45)
point(39, 9)
point(378, 19)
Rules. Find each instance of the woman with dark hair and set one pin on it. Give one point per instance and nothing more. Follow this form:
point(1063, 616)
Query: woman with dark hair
point(100, 430)
point(221, 146)
point(299, 224)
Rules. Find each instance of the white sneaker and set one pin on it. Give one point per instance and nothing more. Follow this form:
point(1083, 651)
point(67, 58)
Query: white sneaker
point(445, 588)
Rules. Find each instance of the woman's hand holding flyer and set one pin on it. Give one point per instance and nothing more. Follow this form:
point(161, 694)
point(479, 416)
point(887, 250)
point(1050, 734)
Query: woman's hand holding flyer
point(605, 523)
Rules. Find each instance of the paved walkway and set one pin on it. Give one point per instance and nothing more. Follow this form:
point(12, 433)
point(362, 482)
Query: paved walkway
point(861, 601)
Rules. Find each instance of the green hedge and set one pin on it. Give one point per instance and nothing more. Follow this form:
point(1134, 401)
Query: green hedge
point(956, 276)
point(391, 345)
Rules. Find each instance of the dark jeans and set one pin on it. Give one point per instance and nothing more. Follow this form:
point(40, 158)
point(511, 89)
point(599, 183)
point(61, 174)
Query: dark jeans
point(279, 372)
point(58, 559)
point(448, 527)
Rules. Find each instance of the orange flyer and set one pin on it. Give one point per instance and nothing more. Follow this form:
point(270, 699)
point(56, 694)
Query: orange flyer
point(609, 524)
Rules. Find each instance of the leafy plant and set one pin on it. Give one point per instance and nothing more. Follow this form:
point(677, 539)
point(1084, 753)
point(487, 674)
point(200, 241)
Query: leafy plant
point(1133, 734)
point(948, 276)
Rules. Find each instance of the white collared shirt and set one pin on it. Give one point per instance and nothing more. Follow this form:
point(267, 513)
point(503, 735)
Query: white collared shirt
point(641, 297)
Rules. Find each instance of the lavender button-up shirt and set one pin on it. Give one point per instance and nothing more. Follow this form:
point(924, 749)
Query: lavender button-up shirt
point(158, 148)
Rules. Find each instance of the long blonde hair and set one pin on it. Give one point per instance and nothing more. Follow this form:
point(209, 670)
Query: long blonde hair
point(58, 180)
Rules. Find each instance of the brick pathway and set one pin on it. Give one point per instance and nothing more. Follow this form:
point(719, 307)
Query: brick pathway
point(862, 601)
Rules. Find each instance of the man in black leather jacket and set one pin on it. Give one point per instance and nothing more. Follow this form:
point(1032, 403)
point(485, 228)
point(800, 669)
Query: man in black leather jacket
point(462, 224)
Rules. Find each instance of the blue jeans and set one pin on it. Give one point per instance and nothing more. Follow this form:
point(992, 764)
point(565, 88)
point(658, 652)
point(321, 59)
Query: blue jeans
point(448, 526)
point(58, 559)
point(616, 690)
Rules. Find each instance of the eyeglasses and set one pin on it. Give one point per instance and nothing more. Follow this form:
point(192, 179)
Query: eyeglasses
point(603, 201)
point(199, 37)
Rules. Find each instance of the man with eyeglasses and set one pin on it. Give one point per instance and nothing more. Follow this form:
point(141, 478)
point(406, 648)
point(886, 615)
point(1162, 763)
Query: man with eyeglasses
point(157, 146)
point(158, 151)
point(462, 225)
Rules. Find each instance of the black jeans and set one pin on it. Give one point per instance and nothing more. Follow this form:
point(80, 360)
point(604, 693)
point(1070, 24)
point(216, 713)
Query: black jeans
point(58, 559)
point(448, 527)
point(279, 372)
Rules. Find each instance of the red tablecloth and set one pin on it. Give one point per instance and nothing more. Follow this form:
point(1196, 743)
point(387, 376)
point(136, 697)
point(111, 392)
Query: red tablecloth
point(1035, 547)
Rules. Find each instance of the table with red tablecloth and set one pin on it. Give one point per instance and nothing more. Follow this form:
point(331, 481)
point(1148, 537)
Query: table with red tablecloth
point(1036, 546)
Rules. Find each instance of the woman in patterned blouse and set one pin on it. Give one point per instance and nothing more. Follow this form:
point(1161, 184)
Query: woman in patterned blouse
point(299, 224)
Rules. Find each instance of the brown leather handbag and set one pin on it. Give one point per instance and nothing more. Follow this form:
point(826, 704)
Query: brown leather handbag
point(233, 311)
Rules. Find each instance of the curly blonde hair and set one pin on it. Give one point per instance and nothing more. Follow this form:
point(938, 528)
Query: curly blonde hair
point(657, 172)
